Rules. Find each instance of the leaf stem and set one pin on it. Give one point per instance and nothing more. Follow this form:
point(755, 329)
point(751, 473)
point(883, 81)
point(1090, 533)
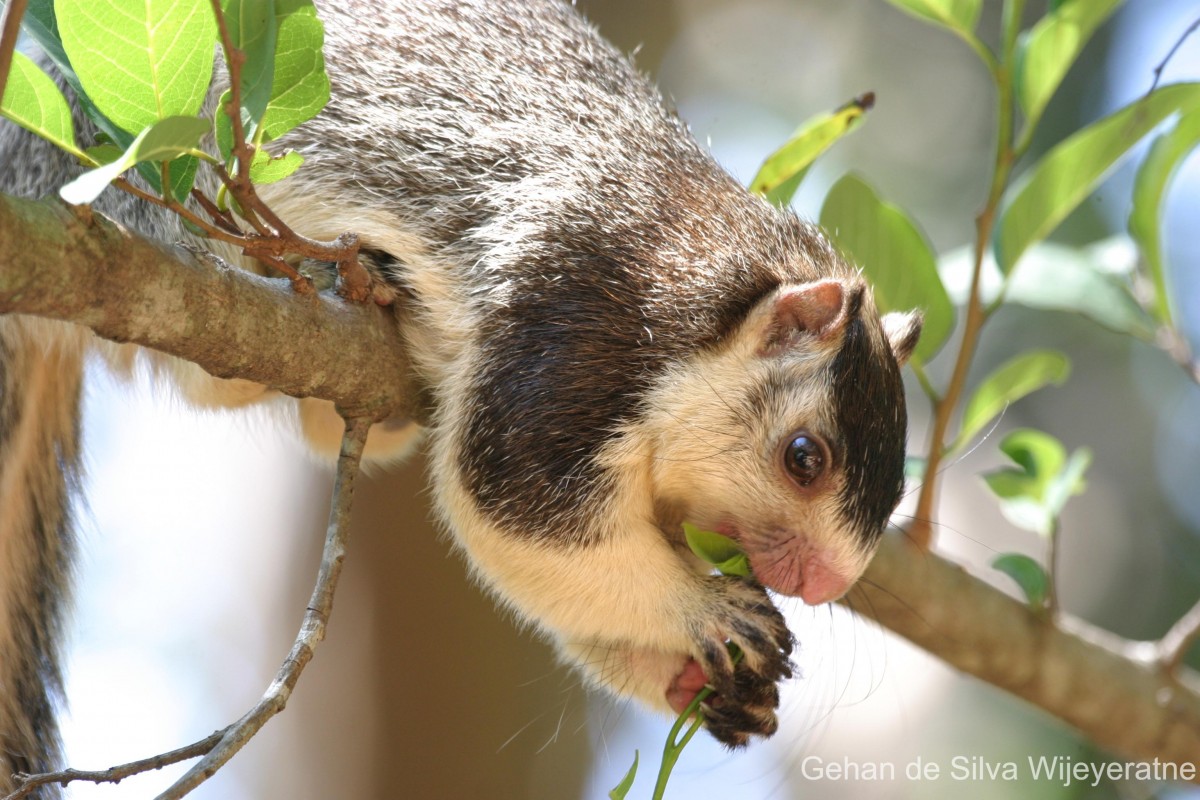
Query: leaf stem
point(1052, 569)
point(926, 384)
point(977, 314)
point(675, 744)
point(8, 39)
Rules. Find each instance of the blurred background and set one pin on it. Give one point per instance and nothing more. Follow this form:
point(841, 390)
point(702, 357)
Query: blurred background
point(203, 531)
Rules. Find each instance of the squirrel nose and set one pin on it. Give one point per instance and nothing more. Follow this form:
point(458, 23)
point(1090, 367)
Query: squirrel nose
point(820, 584)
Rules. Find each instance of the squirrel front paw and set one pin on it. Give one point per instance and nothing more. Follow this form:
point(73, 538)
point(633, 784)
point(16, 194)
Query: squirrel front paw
point(746, 696)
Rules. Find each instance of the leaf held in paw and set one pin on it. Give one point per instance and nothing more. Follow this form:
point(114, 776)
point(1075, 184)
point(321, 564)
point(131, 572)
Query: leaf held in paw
point(718, 550)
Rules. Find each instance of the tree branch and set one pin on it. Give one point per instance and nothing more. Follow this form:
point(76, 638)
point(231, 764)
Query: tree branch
point(26, 784)
point(1113, 690)
point(312, 629)
point(56, 264)
point(79, 267)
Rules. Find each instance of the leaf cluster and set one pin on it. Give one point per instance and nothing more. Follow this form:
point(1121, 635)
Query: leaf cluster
point(142, 70)
point(1011, 262)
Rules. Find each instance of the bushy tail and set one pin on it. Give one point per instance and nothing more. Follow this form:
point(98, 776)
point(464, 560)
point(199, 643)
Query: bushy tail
point(40, 377)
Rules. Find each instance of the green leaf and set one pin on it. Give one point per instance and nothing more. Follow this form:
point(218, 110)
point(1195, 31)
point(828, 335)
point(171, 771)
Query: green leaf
point(718, 550)
point(140, 60)
point(1033, 497)
point(171, 137)
point(960, 16)
point(1060, 278)
point(622, 789)
point(1012, 380)
point(300, 88)
point(893, 253)
point(163, 141)
point(783, 170)
point(266, 168)
point(1028, 574)
point(1060, 181)
point(182, 174)
point(33, 101)
point(42, 26)
point(1153, 179)
point(105, 153)
point(1047, 51)
point(1068, 482)
point(39, 22)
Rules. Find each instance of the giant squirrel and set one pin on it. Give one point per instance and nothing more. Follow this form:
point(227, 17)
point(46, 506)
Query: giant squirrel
point(617, 338)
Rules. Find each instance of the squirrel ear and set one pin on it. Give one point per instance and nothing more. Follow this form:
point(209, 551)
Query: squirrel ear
point(820, 309)
point(902, 330)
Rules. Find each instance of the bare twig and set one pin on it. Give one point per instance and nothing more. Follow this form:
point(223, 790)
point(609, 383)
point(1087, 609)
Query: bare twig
point(28, 783)
point(1173, 647)
point(312, 629)
point(1162, 65)
point(221, 746)
point(8, 39)
point(1175, 344)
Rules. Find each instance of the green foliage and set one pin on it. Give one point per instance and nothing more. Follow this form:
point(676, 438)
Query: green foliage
point(720, 551)
point(781, 173)
point(1060, 181)
point(140, 61)
point(1047, 51)
point(959, 16)
point(1060, 278)
point(252, 30)
point(1029, 575)
point(1033, 495)
point(266, 168)
point(301, 87)
point(163, 141)
point(893, 253)
point(33, 101)
point(140, 67)
point(1012, 380)
point(619, 791)
point(1153, 179)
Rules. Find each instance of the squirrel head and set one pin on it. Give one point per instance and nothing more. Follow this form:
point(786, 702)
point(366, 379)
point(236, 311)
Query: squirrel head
point(789, 435)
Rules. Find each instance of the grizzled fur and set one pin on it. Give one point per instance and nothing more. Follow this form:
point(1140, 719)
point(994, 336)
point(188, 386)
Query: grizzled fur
point(616, 337)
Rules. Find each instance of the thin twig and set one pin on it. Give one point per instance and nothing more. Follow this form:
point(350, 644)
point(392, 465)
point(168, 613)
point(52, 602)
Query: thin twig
point(977, 315)
point(356, 281)
point(1173, 647)
point(1052, 552)
point(8, 39)
point(1162, 65)
point(312, 629)
point(234, 59)
point(26, 784)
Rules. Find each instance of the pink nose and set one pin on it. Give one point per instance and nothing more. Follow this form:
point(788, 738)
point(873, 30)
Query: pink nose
point(820, 584)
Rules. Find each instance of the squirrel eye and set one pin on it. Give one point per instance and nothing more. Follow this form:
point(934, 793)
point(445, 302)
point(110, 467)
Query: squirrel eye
point(804, 458)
